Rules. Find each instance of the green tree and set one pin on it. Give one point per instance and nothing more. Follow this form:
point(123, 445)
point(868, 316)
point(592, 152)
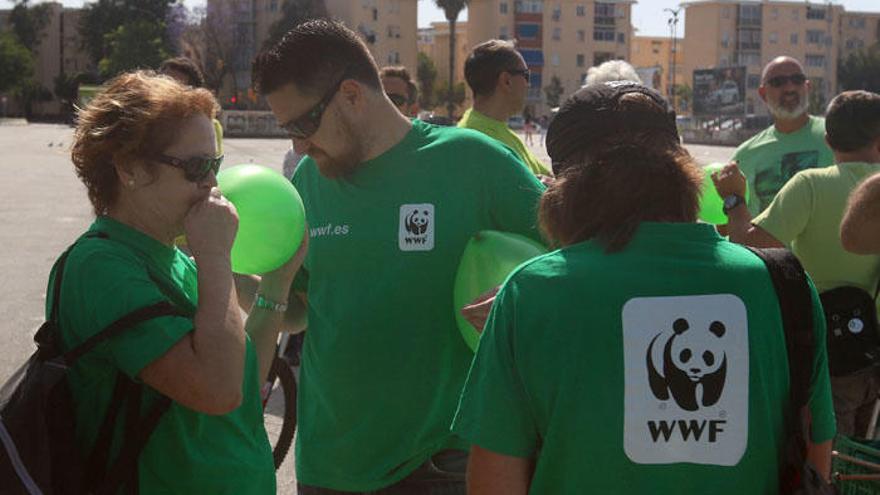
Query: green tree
point(426, 73)
point(451, 8)
point(860, 70)
point(554, 92)
point(104, 17)
point(66, 89)
point(294, 12)
point(684, 95)
point(16, 63)
point(28, 23)
point(134, 45)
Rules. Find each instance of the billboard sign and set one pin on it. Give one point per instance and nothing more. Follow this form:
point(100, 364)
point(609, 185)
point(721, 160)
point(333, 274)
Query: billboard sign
point(719, 92)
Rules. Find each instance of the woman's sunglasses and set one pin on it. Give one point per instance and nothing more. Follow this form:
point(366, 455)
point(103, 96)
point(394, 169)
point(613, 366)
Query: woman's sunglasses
point(398, 100)
point(195, 169)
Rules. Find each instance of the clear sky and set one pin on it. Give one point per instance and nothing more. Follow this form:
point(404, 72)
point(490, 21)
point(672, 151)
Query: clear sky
point(648, 15)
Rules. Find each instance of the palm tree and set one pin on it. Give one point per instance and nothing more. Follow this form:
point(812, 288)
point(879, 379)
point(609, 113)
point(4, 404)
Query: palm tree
point(451, 8)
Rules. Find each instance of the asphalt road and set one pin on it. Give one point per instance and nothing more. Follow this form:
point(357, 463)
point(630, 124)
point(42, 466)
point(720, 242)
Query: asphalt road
point(43, 208)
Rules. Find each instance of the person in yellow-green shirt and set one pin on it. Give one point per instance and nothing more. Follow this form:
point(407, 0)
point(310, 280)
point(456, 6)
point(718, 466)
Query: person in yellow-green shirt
point(805, 215)
point(499, 79)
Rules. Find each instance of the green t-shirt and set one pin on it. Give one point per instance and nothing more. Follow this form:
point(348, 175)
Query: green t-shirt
point(189, 452)
point(498, 130)
point(806, 215)
point(659, 369)
point(383, 360)
point(770, 158)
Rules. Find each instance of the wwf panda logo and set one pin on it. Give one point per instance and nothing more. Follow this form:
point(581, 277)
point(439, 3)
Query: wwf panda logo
point(417, 222)
point(693, 366)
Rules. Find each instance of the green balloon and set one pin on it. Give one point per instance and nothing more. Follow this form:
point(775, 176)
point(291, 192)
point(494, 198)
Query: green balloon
point(711, 204)
point(271, 217)
point(488, 259)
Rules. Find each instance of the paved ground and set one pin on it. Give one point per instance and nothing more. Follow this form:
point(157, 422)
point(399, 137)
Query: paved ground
point(43, 207)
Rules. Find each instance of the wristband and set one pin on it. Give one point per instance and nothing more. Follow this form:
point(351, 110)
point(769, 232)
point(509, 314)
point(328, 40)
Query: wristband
point(262, 302)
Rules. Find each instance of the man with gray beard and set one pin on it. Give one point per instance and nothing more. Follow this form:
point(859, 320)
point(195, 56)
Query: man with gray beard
point(795, 141)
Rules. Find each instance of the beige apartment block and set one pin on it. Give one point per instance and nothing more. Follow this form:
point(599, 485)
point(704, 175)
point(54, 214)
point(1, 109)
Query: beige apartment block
point(557, 38)
point(730, 33)
point(389, 27)
point(59, 51)
point(434, 42)
point(656, 52)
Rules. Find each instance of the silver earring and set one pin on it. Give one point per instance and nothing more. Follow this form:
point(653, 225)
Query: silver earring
point(130, 182)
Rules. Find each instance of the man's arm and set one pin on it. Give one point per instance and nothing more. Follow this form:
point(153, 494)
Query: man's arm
point(729, 181)
point(489, 473)
point(860, 229)
point(819, 455)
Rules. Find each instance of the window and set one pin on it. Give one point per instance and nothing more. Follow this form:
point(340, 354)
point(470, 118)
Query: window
point(815, 60)
point(581, 11)
point(603, 14)
point(748, 58)
point(773, 38)
point(815, 13)
point(393, 31)
point(527, 30)
point(794, 38)
point(580, 60)
point(502, 7)
point(748, 39)
point(814, 37)
point(749, 15)
point(754, 80)
point(394, 57)
point(855, 43)
point(375, 14)
point(554, 59)
point(504, 33)
point(857, 22)
point(582, 35)
point(725, 13)
point(600, 58)
point(557, 12)
point(557, 33)
point(725, 39)
point(394, 7)
point(795, 14)
point(621, 37)
point(603, 33)
point(774, 13)
point(528, 6)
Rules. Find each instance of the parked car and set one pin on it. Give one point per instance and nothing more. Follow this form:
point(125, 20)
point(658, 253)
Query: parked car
point(516, 122)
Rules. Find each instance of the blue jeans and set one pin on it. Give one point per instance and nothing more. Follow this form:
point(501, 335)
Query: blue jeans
point(442, 474)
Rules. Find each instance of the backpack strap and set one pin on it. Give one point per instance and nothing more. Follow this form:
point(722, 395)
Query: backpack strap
point(796, 306)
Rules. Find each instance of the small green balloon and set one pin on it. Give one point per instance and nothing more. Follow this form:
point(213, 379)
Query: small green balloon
point(488, 259)
point(271, 217)
point(711, 204)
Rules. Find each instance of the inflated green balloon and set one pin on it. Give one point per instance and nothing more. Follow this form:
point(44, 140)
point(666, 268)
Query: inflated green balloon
point(271, 217)
point(711, 204)
point(488, 259)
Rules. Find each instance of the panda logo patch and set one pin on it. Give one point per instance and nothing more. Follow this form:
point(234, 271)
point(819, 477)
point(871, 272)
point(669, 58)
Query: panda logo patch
point(416, 227)
point(693, 367)
point(686, 377)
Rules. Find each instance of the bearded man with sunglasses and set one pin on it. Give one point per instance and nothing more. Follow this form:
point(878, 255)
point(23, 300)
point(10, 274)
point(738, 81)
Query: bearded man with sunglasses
point(390, 205)
point(499, 78)
point(795, 141)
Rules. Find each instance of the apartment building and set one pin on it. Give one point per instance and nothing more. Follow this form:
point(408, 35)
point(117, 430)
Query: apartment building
point(750, 33)
point(389, 27)
point(653, 57)
point(59, 51)
point(557, 38)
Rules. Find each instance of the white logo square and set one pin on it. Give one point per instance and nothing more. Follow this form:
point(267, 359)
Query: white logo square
point(416, 230)
point(686, 371)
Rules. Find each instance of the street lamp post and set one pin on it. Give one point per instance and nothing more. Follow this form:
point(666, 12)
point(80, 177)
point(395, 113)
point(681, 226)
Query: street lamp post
point(673, 26)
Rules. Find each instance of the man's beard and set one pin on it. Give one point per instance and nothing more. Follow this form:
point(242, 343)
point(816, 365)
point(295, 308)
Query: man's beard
point(347, 162)
point(780, 112)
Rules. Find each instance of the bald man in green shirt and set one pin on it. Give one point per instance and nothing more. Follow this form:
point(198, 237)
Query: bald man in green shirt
point(499, 79)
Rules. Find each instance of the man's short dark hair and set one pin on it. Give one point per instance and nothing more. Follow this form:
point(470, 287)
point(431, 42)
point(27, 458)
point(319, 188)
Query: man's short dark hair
point(486, 62)
point(312, 56)
point(400, 72)
point(853, 120)
point(186, 67)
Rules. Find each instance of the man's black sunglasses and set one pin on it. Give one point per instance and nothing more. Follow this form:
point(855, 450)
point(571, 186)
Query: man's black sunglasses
point(780, 81)
point(526, 73)
point(308, 123)
point(194, 169)
point(398, 100)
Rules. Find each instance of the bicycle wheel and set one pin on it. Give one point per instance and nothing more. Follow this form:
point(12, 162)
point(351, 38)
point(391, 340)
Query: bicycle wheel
point(279, 410)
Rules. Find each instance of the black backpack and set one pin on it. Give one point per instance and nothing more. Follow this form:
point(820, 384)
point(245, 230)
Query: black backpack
point(797, 476)
point(853, 337)
point(38, 451)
